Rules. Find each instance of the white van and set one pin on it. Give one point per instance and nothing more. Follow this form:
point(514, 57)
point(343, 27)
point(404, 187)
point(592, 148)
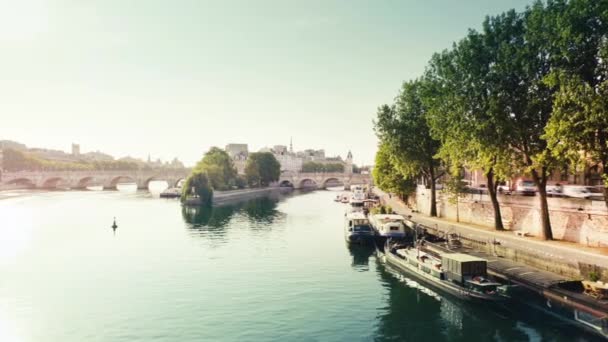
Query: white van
point(525, 187)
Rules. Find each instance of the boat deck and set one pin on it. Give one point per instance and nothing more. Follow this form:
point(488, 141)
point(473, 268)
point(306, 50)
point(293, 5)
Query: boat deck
point(530, 277)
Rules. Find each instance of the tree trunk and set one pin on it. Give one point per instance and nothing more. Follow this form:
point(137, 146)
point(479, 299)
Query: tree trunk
point(605, 171)
point(433, 212)
point(492, 187)
point(541, 184)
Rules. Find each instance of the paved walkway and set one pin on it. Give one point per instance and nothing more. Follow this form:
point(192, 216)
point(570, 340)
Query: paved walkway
point(566, 252)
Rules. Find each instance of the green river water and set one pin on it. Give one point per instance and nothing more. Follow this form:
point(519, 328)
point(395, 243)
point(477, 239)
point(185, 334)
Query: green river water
point(264, 270)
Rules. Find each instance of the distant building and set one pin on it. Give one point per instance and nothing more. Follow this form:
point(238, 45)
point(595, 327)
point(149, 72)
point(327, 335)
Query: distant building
point(239, 154)
point(237, 151)
point(75, 150)
point(6, 144)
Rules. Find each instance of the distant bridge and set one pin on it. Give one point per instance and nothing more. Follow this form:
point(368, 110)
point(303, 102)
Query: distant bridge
point(110, 178)
point(322, 180)
point(81, 179)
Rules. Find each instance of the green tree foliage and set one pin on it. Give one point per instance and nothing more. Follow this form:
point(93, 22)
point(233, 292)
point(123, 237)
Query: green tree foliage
point(387, 175)
point(262, 168)
point(14, 160)
point(219, 168)
point(454, 188)
point(322, 167)
point(403, 128)
point(198, 185)
point(577, 132)
point(461, 94)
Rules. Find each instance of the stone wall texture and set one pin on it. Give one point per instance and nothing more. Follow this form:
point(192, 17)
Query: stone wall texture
point(572, 219)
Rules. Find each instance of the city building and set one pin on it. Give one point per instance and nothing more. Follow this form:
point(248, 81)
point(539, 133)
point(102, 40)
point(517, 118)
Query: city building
point(239, 154)
point(75, 150)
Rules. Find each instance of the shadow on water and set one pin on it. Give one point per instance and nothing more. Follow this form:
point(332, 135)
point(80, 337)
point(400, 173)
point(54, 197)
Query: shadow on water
point(416, 313)
point(360, 256)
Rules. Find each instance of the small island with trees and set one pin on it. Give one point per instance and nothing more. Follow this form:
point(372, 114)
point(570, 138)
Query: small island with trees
point(216, 172)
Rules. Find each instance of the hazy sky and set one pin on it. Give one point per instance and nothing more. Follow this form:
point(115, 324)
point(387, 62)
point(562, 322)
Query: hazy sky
point(172, 78)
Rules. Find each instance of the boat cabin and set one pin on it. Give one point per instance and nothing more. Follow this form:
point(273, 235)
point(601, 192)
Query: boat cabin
point(389, 225)
point(356, 222)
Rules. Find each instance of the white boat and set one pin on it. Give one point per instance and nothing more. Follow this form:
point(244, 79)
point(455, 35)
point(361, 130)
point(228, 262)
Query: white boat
point(355, 206)
point(344, 198)
point(388, 225)
point(357, 228)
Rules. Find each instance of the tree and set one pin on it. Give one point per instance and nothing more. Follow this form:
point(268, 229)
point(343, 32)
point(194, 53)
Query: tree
point(454, 188)
point(219, 168)
point(524, 56)
point(198, 184)
point(262, 168)
point(403, 127)
point(460, 97)
point(577, 132)
point(388, 177)
point(322, 167)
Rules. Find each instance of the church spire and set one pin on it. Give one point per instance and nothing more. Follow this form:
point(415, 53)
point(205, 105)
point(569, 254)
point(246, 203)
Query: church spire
point(290, 144)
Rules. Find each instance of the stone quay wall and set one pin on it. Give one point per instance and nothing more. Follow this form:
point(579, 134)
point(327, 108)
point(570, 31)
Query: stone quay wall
point(572, 219)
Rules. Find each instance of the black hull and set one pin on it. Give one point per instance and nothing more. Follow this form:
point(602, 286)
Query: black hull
point(452, 290)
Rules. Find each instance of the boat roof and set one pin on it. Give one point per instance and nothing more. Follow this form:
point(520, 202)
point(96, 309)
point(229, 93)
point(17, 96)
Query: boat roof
point(388, 217)
point(356, 215)
point(462, 257)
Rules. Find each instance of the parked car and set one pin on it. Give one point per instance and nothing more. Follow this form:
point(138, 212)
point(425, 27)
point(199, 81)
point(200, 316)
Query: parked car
point(556, 190)
point(525, 187)
point(503, 188)
point(579, 191)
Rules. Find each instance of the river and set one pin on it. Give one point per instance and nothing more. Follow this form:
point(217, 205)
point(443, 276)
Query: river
point(265, 270)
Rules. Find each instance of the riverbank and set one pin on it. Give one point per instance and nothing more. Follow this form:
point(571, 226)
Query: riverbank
point(234, 196)
point(565, 258)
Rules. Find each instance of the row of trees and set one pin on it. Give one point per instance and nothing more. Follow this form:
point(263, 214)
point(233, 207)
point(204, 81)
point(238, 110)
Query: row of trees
point(216, 171)
point(322, 167)
point(14, 160)
point(526, 94)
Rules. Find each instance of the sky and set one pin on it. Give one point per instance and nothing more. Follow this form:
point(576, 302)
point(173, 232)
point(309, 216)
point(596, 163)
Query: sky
point(172, 78)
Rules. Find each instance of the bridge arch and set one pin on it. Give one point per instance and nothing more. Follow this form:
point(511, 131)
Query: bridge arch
point(179, 182)
point(86, 181)
point(22, 182)
point(146, 184)
point(332, 181)
point(307, 183)
point(286, 183)
point(53, 182)
point(121, 179)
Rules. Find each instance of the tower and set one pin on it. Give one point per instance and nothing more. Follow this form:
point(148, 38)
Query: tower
point(291, 145)
point(75, 150)
point(348, 167)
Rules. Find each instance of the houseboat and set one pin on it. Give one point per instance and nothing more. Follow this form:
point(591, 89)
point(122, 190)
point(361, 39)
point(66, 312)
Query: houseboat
point(357, 228)
point(461, 275)
point(388, 226)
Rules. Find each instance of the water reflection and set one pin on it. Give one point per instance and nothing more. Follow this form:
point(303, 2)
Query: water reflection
point(214, 222)
point(415, 313)
point(360, 256)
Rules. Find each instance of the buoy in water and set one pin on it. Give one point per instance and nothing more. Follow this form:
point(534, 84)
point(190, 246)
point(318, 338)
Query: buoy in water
point(114, 225)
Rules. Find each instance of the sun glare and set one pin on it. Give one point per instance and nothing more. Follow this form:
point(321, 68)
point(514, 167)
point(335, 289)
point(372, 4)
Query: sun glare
point(22, 20)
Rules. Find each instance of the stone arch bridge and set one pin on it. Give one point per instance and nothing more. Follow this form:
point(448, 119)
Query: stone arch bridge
point(321, 180)
point(81, 179)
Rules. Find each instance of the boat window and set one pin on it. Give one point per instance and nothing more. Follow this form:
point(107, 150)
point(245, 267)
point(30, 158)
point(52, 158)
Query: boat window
point(362, 229)
point(394, 228)
point(350, 223)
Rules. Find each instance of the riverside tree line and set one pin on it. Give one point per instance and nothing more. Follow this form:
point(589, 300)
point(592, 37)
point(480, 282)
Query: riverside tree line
point(526, 94)
point(216, 171)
